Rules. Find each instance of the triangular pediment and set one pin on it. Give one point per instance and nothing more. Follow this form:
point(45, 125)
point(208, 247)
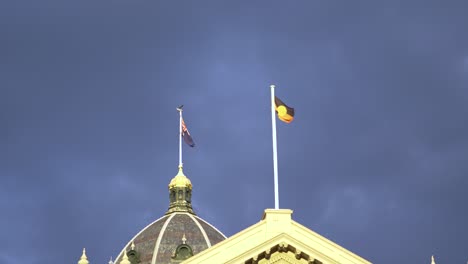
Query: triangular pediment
point(283, 247)
point(277, 239)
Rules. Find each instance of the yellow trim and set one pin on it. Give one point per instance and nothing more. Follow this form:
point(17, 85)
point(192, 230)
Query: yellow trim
point(276, 228)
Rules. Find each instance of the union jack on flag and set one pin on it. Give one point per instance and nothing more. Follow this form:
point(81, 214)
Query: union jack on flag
point(186, 135)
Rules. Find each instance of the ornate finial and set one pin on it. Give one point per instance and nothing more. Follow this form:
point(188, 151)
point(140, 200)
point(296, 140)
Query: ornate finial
point(432, 260)
point(110, 261)
point(83, 259)
point(133, 246)
point(125, 258)
point(180, 193)
point(184, 239)
point(181, 170)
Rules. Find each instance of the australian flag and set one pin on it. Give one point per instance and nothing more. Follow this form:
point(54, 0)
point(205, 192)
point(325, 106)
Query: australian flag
point(186, 135)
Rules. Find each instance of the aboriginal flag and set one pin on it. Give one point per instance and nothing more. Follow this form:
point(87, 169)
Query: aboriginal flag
point(285, 113)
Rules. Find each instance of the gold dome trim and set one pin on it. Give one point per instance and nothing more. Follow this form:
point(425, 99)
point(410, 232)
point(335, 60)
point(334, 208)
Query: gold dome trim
point(180, 180)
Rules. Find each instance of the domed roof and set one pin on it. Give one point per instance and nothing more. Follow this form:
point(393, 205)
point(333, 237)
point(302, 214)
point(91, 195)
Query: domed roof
point(158, 242)
point(177, 235)
point(180, 180)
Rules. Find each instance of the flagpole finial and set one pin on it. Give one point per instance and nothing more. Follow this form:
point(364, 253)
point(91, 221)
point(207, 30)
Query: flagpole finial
point(180, 108)
point(272, 86)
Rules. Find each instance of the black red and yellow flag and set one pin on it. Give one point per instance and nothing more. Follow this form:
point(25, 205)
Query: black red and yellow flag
point(285, 113)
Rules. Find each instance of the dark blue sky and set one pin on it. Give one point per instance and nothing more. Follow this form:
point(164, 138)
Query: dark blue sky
point(376, 159)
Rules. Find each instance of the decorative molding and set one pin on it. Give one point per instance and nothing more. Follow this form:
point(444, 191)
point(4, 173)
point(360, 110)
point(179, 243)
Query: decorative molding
point(120, 255)
point(212, 226)
point(161, 233)
point(279, 253)
point(274, 235)
point(208, 242)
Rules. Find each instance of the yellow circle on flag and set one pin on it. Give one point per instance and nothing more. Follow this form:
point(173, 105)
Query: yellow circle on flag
point(282, 111)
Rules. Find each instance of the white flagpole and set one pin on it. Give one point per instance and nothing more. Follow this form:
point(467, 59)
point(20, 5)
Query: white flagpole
point(275, 158)
point(180, 136)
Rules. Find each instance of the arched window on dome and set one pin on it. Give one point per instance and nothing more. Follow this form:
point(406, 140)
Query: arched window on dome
point(182, 252)
point(133, 256)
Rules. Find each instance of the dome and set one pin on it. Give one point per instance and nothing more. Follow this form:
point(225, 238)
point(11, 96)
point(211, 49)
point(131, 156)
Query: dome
point(176, 236)
point(157, 243)
point(180, 180)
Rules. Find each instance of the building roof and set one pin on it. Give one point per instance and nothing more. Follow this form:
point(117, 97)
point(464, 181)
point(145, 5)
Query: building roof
point(276, 239)
point(176, 236)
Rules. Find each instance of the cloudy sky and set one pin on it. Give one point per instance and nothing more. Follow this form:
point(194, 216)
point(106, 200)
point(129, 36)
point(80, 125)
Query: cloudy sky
point(376, 159)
